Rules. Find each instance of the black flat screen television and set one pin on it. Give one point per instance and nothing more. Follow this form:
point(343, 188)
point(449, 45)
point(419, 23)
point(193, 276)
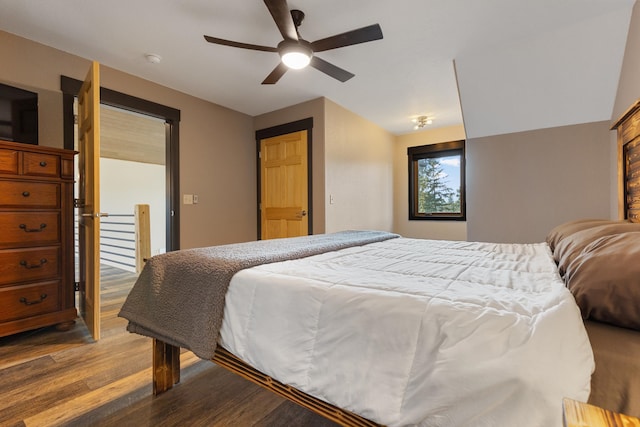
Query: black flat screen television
point(18, 115)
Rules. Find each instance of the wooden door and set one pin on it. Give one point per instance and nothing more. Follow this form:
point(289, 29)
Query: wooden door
point(89, 199)
point(284, 198)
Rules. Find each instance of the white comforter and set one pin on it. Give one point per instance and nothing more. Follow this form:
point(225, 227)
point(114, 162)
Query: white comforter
point(417, 332)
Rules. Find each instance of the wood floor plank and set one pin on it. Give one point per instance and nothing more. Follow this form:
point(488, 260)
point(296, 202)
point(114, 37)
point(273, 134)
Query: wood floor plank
point(89, 402)
point(31, 403)
point(67, 411)
point(30, 370)
point(86, 364)
point(22, 347)
point(289, 415)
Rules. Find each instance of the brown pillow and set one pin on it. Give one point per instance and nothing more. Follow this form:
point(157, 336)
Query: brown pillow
point(565, 229)
point(605, 280)
point(572, 245)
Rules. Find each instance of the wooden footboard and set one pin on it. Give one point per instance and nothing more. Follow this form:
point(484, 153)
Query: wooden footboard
point(166, 373)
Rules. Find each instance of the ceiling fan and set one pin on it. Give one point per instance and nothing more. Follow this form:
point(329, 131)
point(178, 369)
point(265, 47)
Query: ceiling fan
point(295, 52)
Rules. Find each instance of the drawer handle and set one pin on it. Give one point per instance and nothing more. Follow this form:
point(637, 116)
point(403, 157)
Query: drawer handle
point(27, 302)
point(26, 265)
point(43, 164)
point(32, 230)
point(26, 194)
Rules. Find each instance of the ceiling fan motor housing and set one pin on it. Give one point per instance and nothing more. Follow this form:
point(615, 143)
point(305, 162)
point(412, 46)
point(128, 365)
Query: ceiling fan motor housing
point(297, 53)
point(300, 50)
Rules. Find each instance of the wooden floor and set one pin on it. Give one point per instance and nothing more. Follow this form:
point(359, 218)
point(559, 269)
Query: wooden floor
point(50, 378)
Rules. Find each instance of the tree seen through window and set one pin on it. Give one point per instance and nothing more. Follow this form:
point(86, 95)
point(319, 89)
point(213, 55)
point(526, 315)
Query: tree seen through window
point(436, 181)
point(438, 190)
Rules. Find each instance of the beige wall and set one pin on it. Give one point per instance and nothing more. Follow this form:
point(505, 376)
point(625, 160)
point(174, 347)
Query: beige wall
point(351, 161)
point(216, 144)
point(523, 184)
point(358, 172)
point(447, 230)
point(314, 109)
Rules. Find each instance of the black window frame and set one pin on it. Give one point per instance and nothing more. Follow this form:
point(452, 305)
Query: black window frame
point(443, 149)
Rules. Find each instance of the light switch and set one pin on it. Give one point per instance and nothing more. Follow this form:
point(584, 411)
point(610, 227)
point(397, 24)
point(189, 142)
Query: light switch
point(187, 199)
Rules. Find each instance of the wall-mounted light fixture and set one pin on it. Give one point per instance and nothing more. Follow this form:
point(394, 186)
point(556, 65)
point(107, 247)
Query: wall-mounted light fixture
point(421, 122)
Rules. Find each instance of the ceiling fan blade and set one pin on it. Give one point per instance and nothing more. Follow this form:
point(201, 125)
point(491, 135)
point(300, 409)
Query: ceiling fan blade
point(240, 45)
point(282, 16)
point(330, 69)
point(361, 35)
point(275, 74)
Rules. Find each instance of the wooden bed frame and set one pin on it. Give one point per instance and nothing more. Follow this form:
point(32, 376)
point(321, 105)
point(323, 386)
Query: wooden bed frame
point(166, 373)
point(166, 357)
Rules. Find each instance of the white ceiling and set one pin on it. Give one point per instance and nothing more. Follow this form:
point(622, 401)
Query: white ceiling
point(520, 64)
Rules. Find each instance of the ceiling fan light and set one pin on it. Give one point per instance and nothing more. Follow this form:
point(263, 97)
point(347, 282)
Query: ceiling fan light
point(296, 56)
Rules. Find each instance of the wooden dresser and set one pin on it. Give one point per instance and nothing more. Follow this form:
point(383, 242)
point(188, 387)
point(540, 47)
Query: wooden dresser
point(36, 238)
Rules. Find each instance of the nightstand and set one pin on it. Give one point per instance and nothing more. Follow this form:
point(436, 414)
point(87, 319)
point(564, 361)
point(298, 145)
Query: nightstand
point(579, 414)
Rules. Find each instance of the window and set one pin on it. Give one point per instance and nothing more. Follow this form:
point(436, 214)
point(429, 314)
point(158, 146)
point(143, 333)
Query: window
point(436, 182)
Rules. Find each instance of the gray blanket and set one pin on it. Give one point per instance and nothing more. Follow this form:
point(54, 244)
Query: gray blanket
point(179, 296)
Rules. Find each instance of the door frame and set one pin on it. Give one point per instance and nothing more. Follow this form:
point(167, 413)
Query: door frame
point(304, 124)
point(70, 88)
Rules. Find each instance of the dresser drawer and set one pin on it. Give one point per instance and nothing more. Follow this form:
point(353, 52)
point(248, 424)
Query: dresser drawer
point(27, 265)
point(19, 302)
point(40, 164)
point(24, 228)
point(8, 161)
point(21, 194)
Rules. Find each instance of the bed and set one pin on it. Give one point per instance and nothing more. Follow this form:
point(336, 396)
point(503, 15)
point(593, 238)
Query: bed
point(398, 331)
point(370, 328)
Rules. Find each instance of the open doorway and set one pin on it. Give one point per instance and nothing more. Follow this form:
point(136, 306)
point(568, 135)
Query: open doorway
point(132, 172)
point(171, 118)
point(138, 166)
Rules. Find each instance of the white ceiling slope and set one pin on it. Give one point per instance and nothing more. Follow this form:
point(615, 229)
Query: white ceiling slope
point(521, 64)
point(561, 76)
